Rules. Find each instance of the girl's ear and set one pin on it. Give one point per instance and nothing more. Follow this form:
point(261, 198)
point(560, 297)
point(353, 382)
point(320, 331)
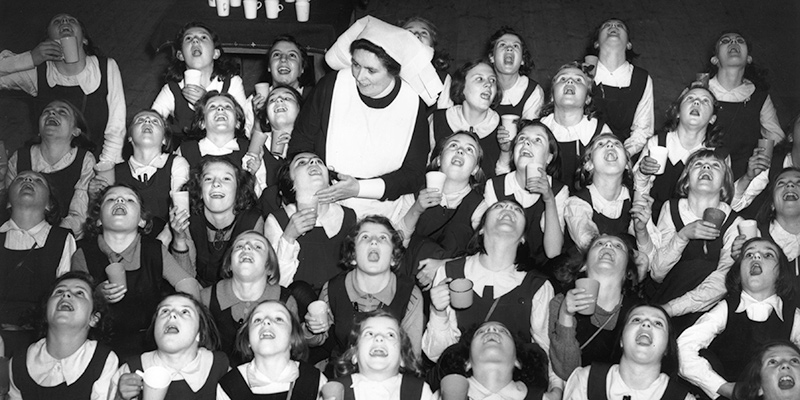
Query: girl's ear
point(749, 59)
point(179, 55)
point(760, 391)
point(491, 59)
point(216, 54)
point(142, 223)
point(629, 46)
point(197, 338)
point(94, 320)
point(517, 364)
point(354, 360)
point(583, 268)
point(467, 366)
point(596, 45)
point(715, 60)
point(549, 158)
point(713, 119)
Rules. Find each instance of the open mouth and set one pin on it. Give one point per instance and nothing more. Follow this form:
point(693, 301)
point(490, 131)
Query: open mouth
point(65, 30)
point(220, 117)
point(246, 258)
point(491, 337)
point(756, 269)
point(169, 329)
point(644, 339)
point(705, 177)
point(786, 382)
point(314, 171)
point(694, 112)
point(457, 161)
point(508, 58)
point(569, 89)
point(119, 209)
point(197, 51)
point(486, 95)
point(526, 153)
point(734, 51)
point(284, 70)
point(611, 156)
point(280, 109)
point(790, 196)
point(52, 121)
point(378, 352)
point(267, 335)
point(216, 195)
point(607, 255)
point(64, 306)
point(507, 217)
point(373, 256)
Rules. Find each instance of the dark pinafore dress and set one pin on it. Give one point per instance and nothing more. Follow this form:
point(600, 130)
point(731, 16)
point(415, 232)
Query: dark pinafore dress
point(180, 390)
point(190, 150)
point(210, 253)
point(154, 190)
point(741, 125)
point(517, 109)
point(81, 389)
point(180, 122)
point(62, 181)
point(571, 153)
point(306, 387)
point(618, 104)
point(597, 388)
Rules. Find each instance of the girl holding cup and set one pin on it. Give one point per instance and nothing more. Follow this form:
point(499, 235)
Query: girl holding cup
point(513, 62)
point(646, 368)
point(438, 223)
point(66, 362)
point(604, 203)
point(222, 207)
point(533, 185)
point(373, 250)
point(475, 93)
point(186, 340)
point(117, 225)
point(90, 80)
point(251, 275)
point(198, 66)
point(579, 337)
point(759, 308)
point(271, 339)
point(771, 374)
point(690, 257)
point(379, 363)
point(689, 127)
point(307, 237)
point(502, 290)
point(570, 115)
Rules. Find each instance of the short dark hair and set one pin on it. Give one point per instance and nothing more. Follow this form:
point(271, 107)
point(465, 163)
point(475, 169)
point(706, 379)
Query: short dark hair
point(554, 167)
point(245, 194)
point(52, 212)
point(273, 271)
point(348, 259)
point(102, 328)
point(476, 180)
point(749, 384)
point(586, 175)
point(589, 109)
point(752, 72)
point(460, 81)
point(569, 270)
point(93, 225)
point(392, 66)
point(81, 141)
point(299, 348)
point(475, 245)
point(307, 78)
point(261, 113)
point(784, 286)
point(527, 58)
point(209, 335)
point(285, 184)
point(767, 213)
point(669, 362)
point(224, 66)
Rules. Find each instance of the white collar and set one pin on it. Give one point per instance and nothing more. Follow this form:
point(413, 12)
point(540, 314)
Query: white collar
point(456, 120)
point(675, 150)
point(521, 195)
point(149, 169)
point(37, 233)
point(378, 389)
point(207, 147)
point(513, 95)
point(512, 391)
point(609, 208)
point(788, 241)
point(759, 311)
point(255, 378)
point(606, 76)
point(195, 373)
point(88, 79)
point(583, 130)
point(47, 370)
point(331, 221)
point(502, 281)
point(738, 94)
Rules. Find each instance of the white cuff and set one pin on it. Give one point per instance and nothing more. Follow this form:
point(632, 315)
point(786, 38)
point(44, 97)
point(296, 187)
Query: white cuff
point(371, 188)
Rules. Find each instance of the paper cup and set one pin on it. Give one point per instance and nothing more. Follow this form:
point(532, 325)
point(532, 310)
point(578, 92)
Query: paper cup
point(274, 146)
point(212, 3)
point(180, 200)
point(192, 77)
point(223, 8)
point(319, 310)
point(273, 8)
point(69, 47)
point(306, 202)
point(302, 9)
point(591, 60)
point(767, 145)
point(659, 153)
point(435, 180)
point(156, 382)
point(251, 8)
point(592, 287)
point(262, 88)
point(116, 274)
point(509, 121)
point(532, 171)
point(715, 216)
point(454, 387)
point(748, 228)
point(236, 3)
point(332, 391)
point(460, 293)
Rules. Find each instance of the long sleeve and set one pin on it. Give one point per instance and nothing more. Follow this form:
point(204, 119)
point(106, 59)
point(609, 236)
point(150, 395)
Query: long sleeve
point(310, 128)
point(287, 252)
point(179, 174)
point(756, 186)
point(577, 386)
point(236, 90)
point(23, 80)
point(411, 174)
point(671, 247)
point(412, 322)
point(164, 104)
point(533, 106)
point(440, 332)
point(695, 368)
point(770, 126)
point(565, 351)
point(79, 205)
point(70, 247)
point(643, 124)
point(712, 289)
point(539, 319)
point(10, 62)
point(578, 218)
point(114, 136)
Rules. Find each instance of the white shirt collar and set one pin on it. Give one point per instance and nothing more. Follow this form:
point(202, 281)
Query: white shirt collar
point(502, 281)
point(609, 208)
point(255, 378)
point(48, 371)
point(675, 150)
point(736, 95)
point(759, 311)
point(456, 120)
point(788, 241)
point(139, 169)
point(331, 221)
point(522, 195)
point(385, 390)
point(37, 234)
point(688, 216)
point(621, 77)
point(512, 391)
point(195, 373)
point(453, 200)
point(88, 79)
point(583, 130)
point(207, 147)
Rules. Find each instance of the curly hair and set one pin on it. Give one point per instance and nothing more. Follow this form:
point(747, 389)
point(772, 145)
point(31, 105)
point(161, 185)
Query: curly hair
point(307, 78)
point(102, 328)
point(441, 60)
point(554, 167)
point(714, 133)
point(460, 82)
point(285, 184)
point(209, 335)
point(347, 363)
point(224, 66)
point(527, 57)
point(476, 180)
point(752, 72)
point(298, 346)
point(271, 267)
point(81, 141)
point(94, 225)
point(589, 110)
point(682, 185)
point(594, 38)
point(586, 174)
point(348, 257)
point(767, 213)
point(245, 195)
point(568, 269)
point(198, 127)
point(52, 211)
point(784, 286)
point(391, 65)
point(749, 385)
